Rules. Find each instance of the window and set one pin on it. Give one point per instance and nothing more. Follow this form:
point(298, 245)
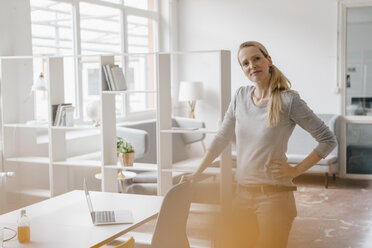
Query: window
point(358, 83)
point(52, 35)
point(51, 27)
point(141, 68)
point(141, 4)
point(106, 27)
point(99, 29)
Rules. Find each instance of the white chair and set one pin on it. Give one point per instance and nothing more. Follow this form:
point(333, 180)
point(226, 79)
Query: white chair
point(170, 228)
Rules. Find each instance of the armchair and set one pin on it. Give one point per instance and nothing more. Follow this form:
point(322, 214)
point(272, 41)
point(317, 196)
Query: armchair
point(301, 144)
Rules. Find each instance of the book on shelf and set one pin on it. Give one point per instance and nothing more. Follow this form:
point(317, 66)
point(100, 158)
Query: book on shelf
point(63, 114)
point(114, 78)
point(119, 79)
point(106, 85)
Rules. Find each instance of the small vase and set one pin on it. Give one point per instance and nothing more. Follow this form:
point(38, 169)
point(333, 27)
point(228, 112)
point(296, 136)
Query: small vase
point(126, 159)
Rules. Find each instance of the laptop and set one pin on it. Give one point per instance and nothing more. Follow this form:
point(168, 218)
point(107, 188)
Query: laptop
point(107, 217)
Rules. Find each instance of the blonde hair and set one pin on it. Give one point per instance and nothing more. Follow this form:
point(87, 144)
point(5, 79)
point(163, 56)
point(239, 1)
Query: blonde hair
point(278, 83)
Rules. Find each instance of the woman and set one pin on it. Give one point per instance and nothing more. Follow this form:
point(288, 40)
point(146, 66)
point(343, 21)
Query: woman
point(263, 117)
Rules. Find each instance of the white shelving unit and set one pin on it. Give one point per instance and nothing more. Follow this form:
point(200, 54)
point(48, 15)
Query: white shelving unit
point(165, 131)
point(47, 162)
point(23, 147)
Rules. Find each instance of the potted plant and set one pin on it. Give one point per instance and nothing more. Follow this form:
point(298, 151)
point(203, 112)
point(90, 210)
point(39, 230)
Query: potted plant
point(125, 152)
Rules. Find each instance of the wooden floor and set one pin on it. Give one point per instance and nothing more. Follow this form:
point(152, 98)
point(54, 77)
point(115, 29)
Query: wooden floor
point(337, 217)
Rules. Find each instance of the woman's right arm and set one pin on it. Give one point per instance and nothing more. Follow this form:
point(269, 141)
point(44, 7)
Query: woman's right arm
point(221, 140)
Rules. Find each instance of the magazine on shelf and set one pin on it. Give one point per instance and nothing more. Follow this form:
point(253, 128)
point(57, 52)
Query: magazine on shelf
point(111, 79)
point(106, 85)
point(114, 78)
point(119, 79)
point(63, 114)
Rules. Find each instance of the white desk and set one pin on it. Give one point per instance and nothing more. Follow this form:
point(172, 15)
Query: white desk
point(64, 221)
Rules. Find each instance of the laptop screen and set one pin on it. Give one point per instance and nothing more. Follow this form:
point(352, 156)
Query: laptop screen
point(90, 206)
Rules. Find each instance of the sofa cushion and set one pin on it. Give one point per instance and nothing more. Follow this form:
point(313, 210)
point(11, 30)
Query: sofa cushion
point(297, 158)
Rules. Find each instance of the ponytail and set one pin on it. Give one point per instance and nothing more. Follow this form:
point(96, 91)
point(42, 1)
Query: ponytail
point(278, 83)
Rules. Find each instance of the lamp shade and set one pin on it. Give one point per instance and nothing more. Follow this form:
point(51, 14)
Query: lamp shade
point(40, 84)
point(190, 91)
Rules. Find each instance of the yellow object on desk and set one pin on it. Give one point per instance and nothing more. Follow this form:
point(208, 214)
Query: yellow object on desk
point(23, 228)
point(24, 234)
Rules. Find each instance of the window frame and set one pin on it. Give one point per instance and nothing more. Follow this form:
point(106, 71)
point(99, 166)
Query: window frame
point(125, 11)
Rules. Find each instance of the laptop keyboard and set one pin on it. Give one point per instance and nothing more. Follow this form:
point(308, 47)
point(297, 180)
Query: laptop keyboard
point(105, 216)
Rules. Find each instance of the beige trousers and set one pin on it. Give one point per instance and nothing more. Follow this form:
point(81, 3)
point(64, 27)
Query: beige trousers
point(263, 220)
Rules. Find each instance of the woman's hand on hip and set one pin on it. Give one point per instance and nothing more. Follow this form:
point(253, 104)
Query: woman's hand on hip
point(282, 169)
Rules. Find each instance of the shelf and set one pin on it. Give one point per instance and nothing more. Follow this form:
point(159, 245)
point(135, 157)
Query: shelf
point(128, 91)
point(79, 163)
point(136, 167)
point(25, 125)
point(77, 127)
point(45, 126)
point(199, 130)
point(87, 156)
point(30, 160)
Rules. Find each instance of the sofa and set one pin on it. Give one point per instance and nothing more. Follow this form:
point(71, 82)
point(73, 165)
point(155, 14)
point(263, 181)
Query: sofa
point(301, 144)
point(142, 134)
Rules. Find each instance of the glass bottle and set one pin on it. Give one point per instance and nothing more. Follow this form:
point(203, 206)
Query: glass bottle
point(23, 228)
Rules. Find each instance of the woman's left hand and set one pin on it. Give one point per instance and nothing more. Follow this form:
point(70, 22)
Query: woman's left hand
point(282, 169)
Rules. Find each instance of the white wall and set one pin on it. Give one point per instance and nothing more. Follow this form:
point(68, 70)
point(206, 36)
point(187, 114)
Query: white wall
point(301, 37)
point(15, 28)
point(15, 39)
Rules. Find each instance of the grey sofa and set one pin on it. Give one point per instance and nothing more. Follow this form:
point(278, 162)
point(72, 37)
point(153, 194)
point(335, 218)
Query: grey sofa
point(143, 136)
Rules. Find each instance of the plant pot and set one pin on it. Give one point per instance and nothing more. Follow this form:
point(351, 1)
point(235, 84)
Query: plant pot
point(126, 159)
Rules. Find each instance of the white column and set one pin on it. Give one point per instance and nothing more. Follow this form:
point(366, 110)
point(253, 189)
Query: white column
point(164, 121)
point(15, 28)
point(225, 97)
point(58, 176)
point(108, 133)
